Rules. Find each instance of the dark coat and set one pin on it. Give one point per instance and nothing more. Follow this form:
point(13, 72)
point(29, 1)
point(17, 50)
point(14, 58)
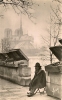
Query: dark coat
point(39, 80)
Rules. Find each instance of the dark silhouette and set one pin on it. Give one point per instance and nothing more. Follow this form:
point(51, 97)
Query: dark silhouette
point(39, 80)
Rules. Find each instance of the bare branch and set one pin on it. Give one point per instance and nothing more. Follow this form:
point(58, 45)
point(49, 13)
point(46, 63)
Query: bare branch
point(56, 37)
point(18, 4)
point(49, 33)
point(58, 1)
point(47, 42)
point(59, 10)
point(14, 9)
point(55, 14)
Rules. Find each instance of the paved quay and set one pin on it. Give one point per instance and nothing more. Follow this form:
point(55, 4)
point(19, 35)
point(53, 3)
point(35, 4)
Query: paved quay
point(11, 91)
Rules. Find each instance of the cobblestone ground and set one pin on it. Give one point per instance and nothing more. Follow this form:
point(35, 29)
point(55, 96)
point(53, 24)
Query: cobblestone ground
point(11, 91)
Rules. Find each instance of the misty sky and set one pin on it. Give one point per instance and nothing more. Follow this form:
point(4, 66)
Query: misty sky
point(12, 20)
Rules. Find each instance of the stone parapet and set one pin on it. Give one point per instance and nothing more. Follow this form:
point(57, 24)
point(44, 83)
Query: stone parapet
point(19, 75)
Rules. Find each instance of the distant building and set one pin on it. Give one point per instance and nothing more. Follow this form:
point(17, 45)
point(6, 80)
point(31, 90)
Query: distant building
point(18, 33)
point(6, 41)
point(8, 33)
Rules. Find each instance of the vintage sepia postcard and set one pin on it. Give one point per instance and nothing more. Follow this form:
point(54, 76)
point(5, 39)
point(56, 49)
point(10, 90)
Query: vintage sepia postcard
point(30, 49)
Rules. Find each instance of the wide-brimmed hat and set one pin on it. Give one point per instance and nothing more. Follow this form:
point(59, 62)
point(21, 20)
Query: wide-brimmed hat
point(37, 65)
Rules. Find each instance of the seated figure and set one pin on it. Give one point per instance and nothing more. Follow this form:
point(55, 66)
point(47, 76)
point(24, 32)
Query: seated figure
point(39, 80)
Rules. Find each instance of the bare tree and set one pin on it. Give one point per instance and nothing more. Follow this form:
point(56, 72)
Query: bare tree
point(20, 6)
point(58, 13)
point(56, 21)
point(54, 25)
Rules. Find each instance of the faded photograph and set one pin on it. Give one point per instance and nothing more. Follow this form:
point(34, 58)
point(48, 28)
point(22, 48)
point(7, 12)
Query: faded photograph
point(30, 49)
